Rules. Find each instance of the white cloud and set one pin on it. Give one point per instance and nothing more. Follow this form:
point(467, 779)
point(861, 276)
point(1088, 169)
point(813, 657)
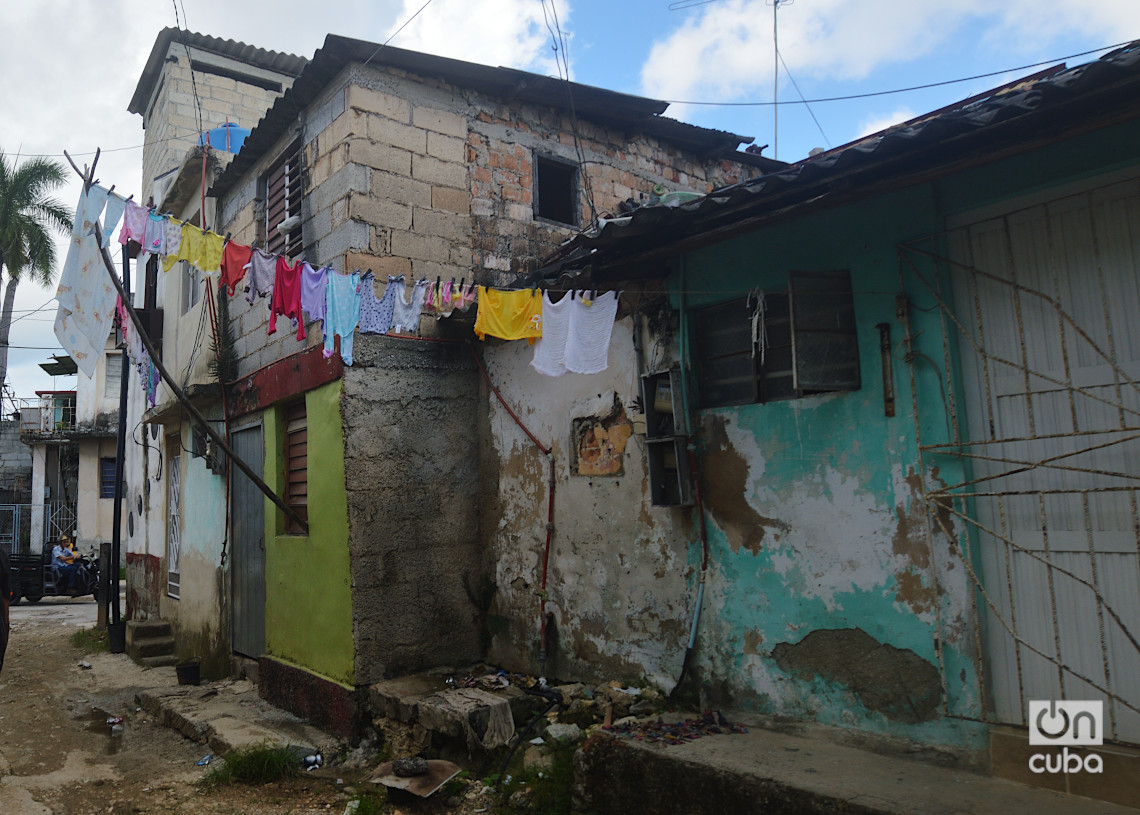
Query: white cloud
point(724, 50)
point(878, 122)
point(510, 33)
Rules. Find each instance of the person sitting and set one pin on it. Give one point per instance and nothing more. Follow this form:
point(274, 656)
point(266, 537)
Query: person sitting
point(63, 563)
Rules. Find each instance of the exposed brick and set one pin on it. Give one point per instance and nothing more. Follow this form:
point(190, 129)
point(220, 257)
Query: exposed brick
point(450, 199)
point(440, 121)
point(375, 101)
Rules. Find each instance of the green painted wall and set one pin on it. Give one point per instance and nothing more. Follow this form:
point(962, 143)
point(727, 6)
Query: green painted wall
point(308, 605)
point(820, 524)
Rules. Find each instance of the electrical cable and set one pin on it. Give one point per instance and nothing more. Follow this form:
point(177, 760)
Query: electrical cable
point(394, 33)
point(795, 85)
point(928, 85)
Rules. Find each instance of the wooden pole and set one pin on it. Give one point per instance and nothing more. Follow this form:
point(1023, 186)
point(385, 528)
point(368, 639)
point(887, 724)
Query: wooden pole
point(169, 380)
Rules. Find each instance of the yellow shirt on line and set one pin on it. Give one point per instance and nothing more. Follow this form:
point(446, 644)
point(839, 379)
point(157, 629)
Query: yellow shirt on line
point(509, 315)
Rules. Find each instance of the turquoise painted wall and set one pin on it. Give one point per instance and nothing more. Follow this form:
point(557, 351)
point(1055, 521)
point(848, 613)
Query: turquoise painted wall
point(308, 606)
point(832, 483)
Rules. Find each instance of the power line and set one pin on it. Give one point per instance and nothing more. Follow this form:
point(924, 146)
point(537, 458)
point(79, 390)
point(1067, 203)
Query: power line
point(870, 94)
point(801, 93)
point(394, 33)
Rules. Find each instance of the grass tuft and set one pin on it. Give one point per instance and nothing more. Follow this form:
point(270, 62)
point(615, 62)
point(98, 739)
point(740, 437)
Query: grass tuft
point(255, 766)
point(90, 640)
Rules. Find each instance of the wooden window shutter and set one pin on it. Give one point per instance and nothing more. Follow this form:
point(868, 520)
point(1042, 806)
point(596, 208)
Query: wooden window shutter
point(283, 190)
point(296, 464)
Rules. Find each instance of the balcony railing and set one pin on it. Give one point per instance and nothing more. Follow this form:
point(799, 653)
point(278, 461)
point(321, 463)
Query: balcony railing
point(47, 415)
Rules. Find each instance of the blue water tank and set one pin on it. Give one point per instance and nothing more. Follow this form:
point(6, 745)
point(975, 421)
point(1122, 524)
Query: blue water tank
point(218, 137)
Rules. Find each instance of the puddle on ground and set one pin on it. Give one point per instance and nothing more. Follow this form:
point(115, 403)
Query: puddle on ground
point(105, 724)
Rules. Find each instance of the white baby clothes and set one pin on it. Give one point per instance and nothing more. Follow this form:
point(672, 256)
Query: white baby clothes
point(550, 348)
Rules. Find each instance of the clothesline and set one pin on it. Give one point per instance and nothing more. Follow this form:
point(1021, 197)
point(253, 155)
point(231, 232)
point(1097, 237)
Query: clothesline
point(570, 335)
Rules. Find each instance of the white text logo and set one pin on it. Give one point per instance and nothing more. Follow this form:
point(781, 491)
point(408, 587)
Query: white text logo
point(1063, 724)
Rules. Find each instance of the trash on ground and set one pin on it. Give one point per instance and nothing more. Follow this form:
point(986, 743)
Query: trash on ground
point(204, 760)
point(438, 773)
point(660, 731)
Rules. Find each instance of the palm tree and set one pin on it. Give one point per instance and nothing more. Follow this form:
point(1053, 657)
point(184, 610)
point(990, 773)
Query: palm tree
point(28, 214)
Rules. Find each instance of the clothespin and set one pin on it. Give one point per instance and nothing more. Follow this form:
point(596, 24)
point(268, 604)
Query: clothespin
point(571, 294)
point(228, 234)
point(462, 280)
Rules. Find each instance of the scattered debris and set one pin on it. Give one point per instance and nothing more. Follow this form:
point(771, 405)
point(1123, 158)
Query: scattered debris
point(660, 731)
point(85, 665)
point(410, 767)
point(439, 773)
point(565, 733)
point(312, 762)
point(204, 760)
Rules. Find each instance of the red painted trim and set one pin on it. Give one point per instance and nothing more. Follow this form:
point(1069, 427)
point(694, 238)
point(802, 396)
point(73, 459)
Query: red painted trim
point(295, 374)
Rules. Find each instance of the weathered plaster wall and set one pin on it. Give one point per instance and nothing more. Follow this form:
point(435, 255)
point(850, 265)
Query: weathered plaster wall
point(201, 611)
point(15, 463)
point(308, 599)
point(619, 571)
point(419, 579)
point(95, 521)
point(823, 594)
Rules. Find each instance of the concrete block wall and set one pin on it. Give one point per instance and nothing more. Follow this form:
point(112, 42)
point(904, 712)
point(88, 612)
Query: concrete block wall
point(15, 461)
point(173, 124)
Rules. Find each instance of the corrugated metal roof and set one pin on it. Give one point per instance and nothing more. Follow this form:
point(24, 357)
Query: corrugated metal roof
point(1015, 117)
point(590, 103)
point(287, 64)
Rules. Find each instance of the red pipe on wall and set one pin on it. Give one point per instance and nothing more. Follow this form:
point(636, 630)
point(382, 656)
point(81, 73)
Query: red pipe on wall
point(546, 451)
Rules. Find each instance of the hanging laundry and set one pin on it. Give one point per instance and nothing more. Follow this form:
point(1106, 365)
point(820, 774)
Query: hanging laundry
point(314, 283)
point(154, 240)
point(173, 242)
point(286, 299)
point(136, 352)
point(342, 312)
point(111, 215)
point(186, 237)
point(85, 293)
point(376, 314)
point(591, 326)
point(262, 270)
point(464, 298)
point(447, 299)
point(235, 258)
point(204, 250)
point(550, 349)
point(576, 334)
point(509, 315)
point(406, 314)
point(134, 224)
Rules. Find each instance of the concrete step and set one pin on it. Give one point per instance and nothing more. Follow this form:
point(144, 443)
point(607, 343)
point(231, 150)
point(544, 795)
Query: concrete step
point(151, 647)
point(147, 629)
point(807, 773)
point(164, 661)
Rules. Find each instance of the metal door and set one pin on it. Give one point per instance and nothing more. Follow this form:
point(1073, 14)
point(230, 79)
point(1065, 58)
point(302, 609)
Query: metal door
point(1041, 305)
point(247, 536)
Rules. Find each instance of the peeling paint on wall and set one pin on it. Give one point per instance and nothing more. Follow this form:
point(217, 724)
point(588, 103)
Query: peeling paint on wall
point(725, 476)
point(893, 681)
point(599, 442)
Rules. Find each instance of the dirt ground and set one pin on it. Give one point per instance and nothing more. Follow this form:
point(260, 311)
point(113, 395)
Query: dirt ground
point(59, 754)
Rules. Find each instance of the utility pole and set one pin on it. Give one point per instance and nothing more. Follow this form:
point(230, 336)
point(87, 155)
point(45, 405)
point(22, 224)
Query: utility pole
point(775, 4)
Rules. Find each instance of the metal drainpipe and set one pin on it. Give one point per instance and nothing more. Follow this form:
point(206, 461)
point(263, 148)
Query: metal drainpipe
point(116, 629)
point(695, 474)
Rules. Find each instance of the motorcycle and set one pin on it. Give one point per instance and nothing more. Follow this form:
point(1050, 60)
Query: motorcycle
point(33, 578)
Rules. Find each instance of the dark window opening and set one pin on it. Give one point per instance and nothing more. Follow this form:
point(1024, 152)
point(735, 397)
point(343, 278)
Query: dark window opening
point(296, 465)
point(803, 343)
point(107, 478)
point(283, 190)
point(556, 190)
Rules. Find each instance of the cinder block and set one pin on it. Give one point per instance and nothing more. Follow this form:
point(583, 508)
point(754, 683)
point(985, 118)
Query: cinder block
point(351, 178)
point(362, 261)
point(434, 171)
point(399, 135)
point(451, 200)
point(446, 148)
point(440, 121)
point(375, 101)
point(380, 211)
point(446, 225)
point(392, 266)
point(401, 188)
point(349, 236)
point(420, 247)
point(380, 156)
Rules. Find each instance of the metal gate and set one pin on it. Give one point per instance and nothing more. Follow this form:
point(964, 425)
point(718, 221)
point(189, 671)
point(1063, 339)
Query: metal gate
point(1039, 315)
point(247, 515)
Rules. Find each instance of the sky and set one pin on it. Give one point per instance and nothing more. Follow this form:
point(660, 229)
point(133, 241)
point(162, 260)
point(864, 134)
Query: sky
point(70, 68)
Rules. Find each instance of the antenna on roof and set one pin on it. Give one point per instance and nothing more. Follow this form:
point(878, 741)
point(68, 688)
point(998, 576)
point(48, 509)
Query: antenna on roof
point(775, 4)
